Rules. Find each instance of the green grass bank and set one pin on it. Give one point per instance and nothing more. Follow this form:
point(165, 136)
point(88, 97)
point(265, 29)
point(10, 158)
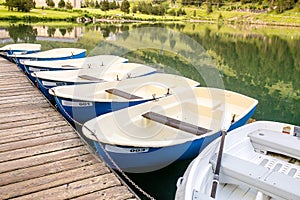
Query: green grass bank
point(194, 14)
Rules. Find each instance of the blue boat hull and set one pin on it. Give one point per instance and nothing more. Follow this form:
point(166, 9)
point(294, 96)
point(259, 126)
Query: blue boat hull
point(17, 60)
point(45, 85)
point(144, 159)
point(11, 52)
point(30, 69)
point(82, 111)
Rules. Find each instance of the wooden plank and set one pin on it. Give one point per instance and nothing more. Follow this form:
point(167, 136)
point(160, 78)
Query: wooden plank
point(29, 99)
point(77, 188)
point(15, 118)
point(115, 193)
point(40, 154)
point(31, 151)
point(69, 66)
point(34, 134)
point(180, 125)
point(46, 169)
point(13, 88)
point(28, 122)
point(91, 78)
point(24, 92)
point(33, 110)
point(11, 75)
point(8, 83)
point(62, 179)
point(36, 141)
point(122, 94)
point(20, 107)
point(31, 127)
point(42, 159)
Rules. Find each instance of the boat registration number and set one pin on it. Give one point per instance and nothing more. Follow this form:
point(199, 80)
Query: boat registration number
point(33, 69)
point(115, 149)
point(76, 103)
point(48, 83)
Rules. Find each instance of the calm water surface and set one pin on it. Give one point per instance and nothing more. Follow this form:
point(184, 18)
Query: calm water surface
point(261, 62)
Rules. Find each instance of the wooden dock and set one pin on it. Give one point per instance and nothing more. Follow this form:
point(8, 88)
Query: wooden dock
point(41, 156)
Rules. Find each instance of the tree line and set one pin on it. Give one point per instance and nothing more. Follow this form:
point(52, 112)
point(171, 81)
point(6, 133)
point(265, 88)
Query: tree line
point(162, 7)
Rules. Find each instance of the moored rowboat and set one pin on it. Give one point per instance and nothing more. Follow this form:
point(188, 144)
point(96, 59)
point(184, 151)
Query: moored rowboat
point(19, 48)
point(84, 102)
point(53, 54)
point(256, 165)
point(71, 64)
point(152, 135)
point(115, 72)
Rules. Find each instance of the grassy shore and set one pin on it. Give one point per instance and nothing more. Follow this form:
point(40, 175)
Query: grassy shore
point(195, 14)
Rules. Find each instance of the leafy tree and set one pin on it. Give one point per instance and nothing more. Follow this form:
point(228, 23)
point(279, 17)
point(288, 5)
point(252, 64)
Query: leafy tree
point(125, 6)
point(92, 4)
point(97, 4)
point(134, 9)
point(209, 8)
point(61, 4)
point(51, 31)
point(104, 5)
point(20, 5)
point(113, 5)
point(69, 5)
point(158, 1)
point(181, 12)
point(63, 31)
point(22, 32)
point(50, 3)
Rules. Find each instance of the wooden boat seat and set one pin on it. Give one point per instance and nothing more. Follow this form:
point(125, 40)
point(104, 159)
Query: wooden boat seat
point(278, 143)
point(271, 183)
point(180, 125)
point(90, 78)
point(68, 66)
point(122, 94)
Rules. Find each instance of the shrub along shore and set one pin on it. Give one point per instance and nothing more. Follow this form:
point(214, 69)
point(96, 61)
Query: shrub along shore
point(191, 13)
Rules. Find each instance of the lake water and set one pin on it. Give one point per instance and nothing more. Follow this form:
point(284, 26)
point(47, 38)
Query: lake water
point(261, 62)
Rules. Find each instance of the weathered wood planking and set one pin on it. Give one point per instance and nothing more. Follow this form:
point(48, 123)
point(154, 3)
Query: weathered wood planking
point(41, 157)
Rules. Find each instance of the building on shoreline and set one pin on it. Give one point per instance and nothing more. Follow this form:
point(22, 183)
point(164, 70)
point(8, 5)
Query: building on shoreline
point(43, 33)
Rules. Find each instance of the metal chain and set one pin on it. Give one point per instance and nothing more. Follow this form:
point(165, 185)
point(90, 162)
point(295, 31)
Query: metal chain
point(107, 154)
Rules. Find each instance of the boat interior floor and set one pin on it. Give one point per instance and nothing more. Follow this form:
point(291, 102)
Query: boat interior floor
point(243, 172)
